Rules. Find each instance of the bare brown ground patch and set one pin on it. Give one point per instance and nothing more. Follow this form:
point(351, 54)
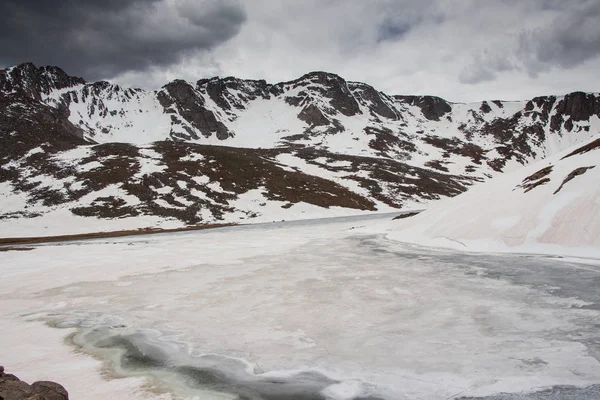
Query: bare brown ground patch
point(100, 235)
point(11, 248)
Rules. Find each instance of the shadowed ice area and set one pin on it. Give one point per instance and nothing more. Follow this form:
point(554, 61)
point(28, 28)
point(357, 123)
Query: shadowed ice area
point(143, 352)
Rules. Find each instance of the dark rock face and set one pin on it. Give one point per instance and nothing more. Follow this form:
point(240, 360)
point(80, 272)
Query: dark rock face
point(313, 116)
point(577, 106)
point(26, 79)
point(11, 388)
point(215, 89)
point(371, 98)
point(485, 107)
point(182, 96)
point(221, 91)
point(332, 87)
point(433, 108)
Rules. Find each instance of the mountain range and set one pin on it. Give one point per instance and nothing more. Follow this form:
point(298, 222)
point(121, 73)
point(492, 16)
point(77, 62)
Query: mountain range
point(78, 156)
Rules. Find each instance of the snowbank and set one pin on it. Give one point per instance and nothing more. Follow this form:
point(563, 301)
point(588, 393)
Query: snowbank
point(524, 211)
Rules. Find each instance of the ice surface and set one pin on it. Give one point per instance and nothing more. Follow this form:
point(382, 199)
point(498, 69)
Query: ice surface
point(327, 309)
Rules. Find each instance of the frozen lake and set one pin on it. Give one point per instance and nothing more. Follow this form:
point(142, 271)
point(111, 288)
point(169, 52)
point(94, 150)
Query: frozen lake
point(323, 309)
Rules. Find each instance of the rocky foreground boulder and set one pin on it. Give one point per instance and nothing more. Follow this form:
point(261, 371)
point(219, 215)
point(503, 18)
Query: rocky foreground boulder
point(12, 388)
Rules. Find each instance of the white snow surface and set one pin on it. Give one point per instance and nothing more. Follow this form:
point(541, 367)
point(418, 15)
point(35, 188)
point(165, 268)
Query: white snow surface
point(499, 216)
point(119, 115)
point(262, 125)
point(334, 297)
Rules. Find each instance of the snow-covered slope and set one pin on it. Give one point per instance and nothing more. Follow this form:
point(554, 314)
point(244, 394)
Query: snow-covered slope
point(233, 150)
point(552, 206)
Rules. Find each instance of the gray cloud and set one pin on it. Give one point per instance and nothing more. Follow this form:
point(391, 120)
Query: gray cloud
point(390, 30)
point(399, 17)
point(102, 38)
point(486, 66)
point(565, 42)
point(570, 40)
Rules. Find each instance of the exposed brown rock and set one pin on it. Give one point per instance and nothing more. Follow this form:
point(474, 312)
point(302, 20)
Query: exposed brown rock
point(184, 98)
point(572, 175)
point(536, 179)
point(458, 147)
point(485, 107)
point(577, 106)
point(371, 98)
point(535, 184)
point(15, 390)
point(595, 145)
point(385, 141)
point(538, 175)
point(437, 165)
point(50, 390)
point(11, 388)
point(405, 215)
point(313, 116)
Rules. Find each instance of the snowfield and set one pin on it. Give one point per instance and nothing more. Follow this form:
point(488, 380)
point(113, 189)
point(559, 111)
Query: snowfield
point(556, 215)
point(322, 309)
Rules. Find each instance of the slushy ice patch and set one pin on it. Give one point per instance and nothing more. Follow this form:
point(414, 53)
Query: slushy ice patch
point(147, 352)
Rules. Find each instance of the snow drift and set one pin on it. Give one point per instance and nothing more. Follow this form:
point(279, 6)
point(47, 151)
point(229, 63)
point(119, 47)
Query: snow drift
point(552, 207)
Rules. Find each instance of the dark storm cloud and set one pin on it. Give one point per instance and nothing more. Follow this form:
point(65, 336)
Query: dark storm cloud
point(102, 38)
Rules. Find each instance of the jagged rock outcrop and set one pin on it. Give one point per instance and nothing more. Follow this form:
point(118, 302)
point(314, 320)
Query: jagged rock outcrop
point(181, 96)
point(313, 116)
point(30, 81)
point(373, 100)
point(575, 107)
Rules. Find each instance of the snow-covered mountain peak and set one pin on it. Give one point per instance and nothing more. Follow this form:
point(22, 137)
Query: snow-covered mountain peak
point(393, 150)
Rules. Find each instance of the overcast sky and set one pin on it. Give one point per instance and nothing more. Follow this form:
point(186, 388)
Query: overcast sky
point(462, 50)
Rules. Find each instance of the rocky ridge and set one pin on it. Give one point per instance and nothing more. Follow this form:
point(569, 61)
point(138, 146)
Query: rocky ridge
point(233, 150)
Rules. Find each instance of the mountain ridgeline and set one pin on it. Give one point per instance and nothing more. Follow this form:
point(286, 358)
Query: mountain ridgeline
point(236, 150)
